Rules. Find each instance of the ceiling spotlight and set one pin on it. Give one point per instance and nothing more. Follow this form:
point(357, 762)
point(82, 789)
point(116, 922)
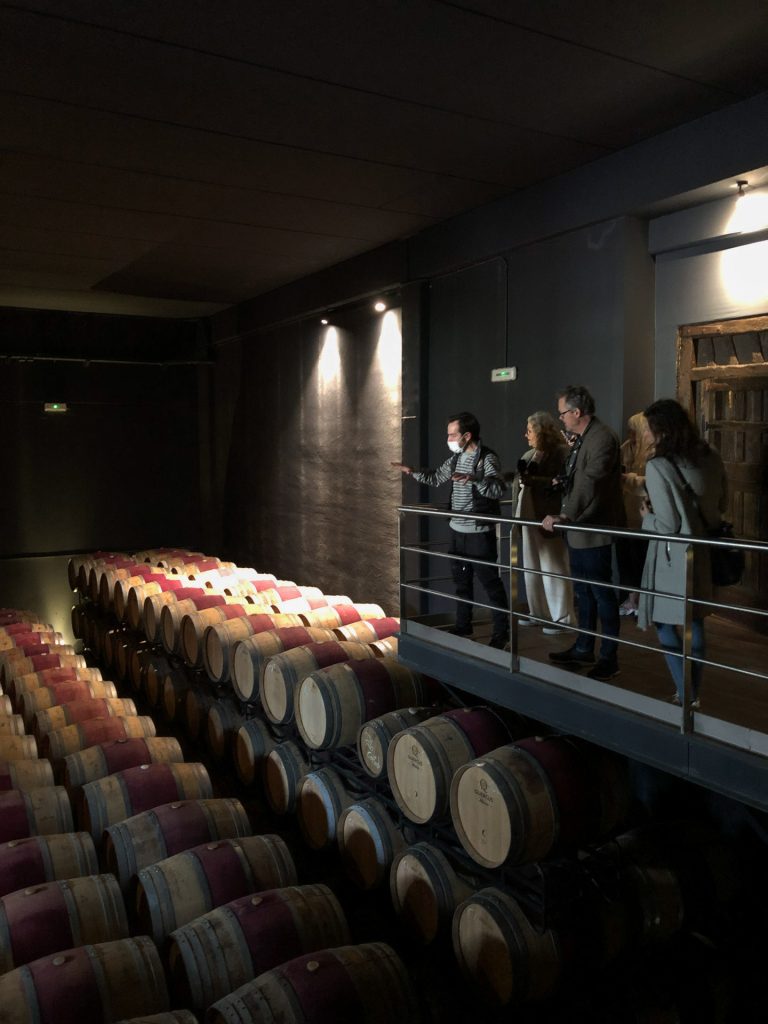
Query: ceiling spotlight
point(380, 306)
point(741, 185)
point(324, 322)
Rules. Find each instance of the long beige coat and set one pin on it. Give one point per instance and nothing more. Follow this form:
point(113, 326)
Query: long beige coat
point(673, 513)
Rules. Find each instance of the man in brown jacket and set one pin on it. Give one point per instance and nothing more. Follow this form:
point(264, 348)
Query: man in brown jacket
point(591, 497)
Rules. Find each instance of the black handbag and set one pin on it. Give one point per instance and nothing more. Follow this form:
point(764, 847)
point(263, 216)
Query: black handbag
point(727, 563)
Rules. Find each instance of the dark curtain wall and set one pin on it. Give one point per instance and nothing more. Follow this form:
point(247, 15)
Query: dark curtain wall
point(120, 469)
point(309, 492)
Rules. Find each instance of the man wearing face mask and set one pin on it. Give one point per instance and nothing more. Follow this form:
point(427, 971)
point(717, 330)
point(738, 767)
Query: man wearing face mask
point(476, 486)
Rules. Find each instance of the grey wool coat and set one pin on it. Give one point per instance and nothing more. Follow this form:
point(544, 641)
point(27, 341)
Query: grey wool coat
point(674, 513)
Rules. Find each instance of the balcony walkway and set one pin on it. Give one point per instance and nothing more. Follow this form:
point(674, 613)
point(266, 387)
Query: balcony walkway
point(725, 746)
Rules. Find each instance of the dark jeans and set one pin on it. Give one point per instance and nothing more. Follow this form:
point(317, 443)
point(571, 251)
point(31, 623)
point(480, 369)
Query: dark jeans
point(593, 602)
point(669, 637)
point(482, 546)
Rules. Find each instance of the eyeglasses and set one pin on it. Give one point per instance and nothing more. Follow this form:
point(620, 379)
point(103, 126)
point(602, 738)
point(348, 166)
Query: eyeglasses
point(564, 413)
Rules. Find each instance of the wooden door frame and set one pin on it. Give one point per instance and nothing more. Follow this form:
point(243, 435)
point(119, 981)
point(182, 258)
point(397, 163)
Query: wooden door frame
point(687, 371)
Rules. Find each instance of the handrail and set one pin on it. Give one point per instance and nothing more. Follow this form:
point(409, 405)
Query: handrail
point(513, 567)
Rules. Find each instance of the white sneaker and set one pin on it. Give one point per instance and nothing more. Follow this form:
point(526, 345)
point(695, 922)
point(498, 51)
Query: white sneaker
point(526, 622)
point(553, 630)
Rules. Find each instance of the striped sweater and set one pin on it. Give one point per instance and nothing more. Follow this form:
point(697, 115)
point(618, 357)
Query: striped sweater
point(485, 482)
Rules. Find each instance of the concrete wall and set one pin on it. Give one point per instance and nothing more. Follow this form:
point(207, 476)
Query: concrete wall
point(309, 493)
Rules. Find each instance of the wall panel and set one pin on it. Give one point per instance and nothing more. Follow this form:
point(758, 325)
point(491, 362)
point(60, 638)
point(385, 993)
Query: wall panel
point(309, 491)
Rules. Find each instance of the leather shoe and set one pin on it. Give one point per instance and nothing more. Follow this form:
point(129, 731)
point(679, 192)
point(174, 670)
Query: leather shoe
point(460, 630)
point(604, 670)
point(572, 656)
point(499, 641)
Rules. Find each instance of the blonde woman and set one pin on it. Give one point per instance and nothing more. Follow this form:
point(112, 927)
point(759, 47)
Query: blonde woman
point(548, 597)
point(630, 553)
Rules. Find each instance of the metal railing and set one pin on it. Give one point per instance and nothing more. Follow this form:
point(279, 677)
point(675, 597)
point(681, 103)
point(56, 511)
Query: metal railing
point(507, 529)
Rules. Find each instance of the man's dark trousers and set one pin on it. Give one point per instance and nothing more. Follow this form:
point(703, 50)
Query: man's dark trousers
point(595, 602)
point(481, 546)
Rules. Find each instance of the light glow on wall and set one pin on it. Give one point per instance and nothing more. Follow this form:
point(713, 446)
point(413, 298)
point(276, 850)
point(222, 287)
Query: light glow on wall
point(744, 268)
point(389, 351)
point(744, 273)
point(750, 213)
point(329, 364)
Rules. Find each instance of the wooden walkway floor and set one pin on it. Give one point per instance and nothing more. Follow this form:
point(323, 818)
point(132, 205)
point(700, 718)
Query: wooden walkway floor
point(725, 694)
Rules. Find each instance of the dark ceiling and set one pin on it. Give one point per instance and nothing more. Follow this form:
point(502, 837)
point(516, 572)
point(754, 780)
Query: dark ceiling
point(178, 156)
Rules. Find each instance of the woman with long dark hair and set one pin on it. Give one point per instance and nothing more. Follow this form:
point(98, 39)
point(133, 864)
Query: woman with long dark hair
point(687, 494)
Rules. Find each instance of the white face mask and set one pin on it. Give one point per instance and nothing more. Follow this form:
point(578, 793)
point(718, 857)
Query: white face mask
point(455, 447)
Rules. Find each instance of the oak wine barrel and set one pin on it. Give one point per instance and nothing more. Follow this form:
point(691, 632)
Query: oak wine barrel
point(153, 608)
point(367, 984)
point(40, 812)
point(194, 625)
point(38, 662)
point(219, 639)
point(51, 676)
point(48, 720)
point(97, 983)
point(252, 745)
point(284, 768)
point(172, 614)
point(72, 738)
point(334, 615)
point(374, 736)
point(224, 719)
point(421, 760)
point(104, 759)
point(229, 946)
point(11, 725)
point(37, 859)
point(25, 774)
point(519, 802)
point(175, 891)
point(369, 839)
point(498, 949)
point(283, 672)
point(250, 656)
point(135, 790)
point(333, 703)
point(173, 695)
point(17, 748)
point(41, 919)
point(147, 663)
point(321, 798)
point(198, 701)
point(62, 693)
point(164, 831)
point(367, 630)
point(426, 890)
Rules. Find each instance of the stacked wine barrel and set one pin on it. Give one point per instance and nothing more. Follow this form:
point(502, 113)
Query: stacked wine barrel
point(451, 809)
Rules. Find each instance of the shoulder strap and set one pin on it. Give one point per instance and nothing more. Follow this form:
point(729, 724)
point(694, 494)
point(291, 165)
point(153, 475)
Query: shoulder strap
point(690, 492)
